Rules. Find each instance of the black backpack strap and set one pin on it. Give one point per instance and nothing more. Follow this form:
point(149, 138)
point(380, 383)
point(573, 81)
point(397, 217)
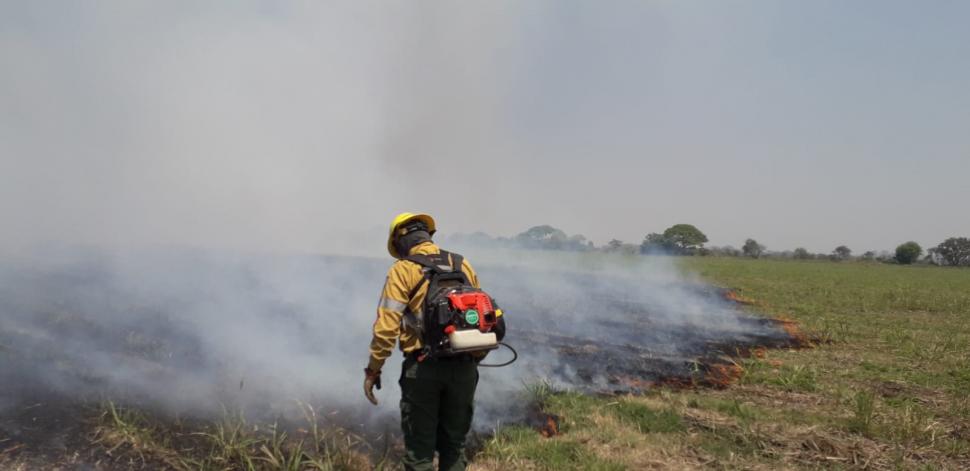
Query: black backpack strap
point(456, 261)
point(425, 262)
point(417, 287)
point(436, 264)
point(443, 262)
point(457, 264)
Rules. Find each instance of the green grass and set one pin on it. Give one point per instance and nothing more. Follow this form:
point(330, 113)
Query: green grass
point(573, 409)
point(884, 388)
point(518, 446)
point(863, 413)
point(732, 407)
point(647, 420)
point(787, 377)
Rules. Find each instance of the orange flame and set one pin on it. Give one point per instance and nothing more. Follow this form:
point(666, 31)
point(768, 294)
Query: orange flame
point(550, 427)
point(794, 331)
point(733, 296)
point(721, 375)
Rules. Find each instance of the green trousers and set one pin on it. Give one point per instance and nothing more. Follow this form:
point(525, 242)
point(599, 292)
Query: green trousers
point(437, 404)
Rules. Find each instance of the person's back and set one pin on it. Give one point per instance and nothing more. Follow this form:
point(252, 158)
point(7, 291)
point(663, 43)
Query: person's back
point(437, 391)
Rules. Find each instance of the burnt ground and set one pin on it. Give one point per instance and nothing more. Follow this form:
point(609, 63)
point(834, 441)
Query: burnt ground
point(43, 433)
point(624, 368)
point(589, 332)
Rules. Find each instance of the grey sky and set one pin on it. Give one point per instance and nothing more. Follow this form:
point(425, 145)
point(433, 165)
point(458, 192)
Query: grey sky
point(299, 126)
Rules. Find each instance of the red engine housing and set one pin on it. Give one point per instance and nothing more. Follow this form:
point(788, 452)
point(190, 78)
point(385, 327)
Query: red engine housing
point(479, 301)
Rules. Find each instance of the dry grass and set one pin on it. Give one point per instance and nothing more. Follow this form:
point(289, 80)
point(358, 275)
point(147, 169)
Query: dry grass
point(131, 439)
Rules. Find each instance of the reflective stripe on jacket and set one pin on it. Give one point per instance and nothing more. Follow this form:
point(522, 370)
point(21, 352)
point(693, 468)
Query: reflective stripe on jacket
point(402, 278)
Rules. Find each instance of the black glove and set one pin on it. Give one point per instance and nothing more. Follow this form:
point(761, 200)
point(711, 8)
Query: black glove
point(371, 379)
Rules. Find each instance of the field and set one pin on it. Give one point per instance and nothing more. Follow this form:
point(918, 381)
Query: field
point(885, 386)
point(882, 385)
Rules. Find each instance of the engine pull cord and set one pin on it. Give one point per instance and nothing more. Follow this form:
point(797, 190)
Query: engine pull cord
point(515, 356)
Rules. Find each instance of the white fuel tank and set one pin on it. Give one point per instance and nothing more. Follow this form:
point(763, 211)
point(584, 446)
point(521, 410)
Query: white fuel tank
point(468, 340)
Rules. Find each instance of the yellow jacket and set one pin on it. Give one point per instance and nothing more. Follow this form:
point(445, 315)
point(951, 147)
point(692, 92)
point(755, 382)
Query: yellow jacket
point(401, 279)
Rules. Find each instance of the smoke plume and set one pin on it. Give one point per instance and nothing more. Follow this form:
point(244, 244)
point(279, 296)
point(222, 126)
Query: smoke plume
point(170, 173)
point(193, 331)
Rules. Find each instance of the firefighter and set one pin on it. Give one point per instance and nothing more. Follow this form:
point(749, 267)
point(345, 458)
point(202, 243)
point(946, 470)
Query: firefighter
point(437, 394)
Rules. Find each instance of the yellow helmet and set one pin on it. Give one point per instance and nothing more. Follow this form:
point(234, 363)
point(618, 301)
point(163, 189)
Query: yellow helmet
point(402, 219)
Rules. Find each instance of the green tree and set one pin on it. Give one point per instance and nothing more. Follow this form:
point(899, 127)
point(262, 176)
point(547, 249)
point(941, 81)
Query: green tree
point(908, 253)
point(842, 253)
point(657, 243)
point(677, 239)
point(542, 237)
point(802, 254)
point(685, 237)
point(752, 248)
point(954, 251)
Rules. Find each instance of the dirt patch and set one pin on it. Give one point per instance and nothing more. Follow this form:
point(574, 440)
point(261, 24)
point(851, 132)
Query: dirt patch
point(891, 389)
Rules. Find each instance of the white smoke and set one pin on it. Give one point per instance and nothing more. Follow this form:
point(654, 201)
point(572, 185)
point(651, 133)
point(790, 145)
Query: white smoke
point(191, 331)
point(166, 168)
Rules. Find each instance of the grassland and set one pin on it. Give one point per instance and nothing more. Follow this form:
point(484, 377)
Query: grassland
point(885, 387)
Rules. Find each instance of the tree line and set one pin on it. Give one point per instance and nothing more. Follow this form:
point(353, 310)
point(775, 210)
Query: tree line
point(688, 240)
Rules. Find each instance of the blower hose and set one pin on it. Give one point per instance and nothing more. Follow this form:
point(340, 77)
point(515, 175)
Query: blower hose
point(515, 356)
